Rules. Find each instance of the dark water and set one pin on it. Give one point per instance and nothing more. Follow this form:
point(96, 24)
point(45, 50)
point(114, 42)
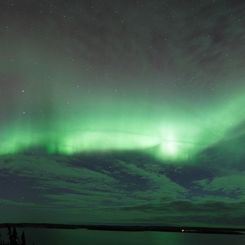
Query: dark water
point(77, 237)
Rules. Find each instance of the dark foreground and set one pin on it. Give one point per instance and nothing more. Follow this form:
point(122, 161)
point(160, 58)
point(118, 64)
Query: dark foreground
point(130, 228)
point(62, 234)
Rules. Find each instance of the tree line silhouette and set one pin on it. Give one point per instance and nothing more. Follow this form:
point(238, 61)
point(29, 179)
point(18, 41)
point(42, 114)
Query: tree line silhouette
point(13, 238)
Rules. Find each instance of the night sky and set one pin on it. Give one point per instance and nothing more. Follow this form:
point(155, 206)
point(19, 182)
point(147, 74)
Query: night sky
point(123, 111)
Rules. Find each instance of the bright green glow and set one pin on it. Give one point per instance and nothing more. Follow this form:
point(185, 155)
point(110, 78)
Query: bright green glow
point(170, 137)
point(168, 125)
point(169, 145)
point(103, 141)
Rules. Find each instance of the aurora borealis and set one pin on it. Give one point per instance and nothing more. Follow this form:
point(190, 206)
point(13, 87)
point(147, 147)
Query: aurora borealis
point(123, 111)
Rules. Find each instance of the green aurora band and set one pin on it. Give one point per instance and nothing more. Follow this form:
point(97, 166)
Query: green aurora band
point(167, 122)
point(103, 131)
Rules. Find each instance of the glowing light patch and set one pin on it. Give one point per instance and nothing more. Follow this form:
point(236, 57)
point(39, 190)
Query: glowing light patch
point(169, 144)
point(170, 148)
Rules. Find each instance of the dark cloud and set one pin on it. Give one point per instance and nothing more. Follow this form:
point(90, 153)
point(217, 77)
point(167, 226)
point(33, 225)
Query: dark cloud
point(210, 213)
point(103, 182)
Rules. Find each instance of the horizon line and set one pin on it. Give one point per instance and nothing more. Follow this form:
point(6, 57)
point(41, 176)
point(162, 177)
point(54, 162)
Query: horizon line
point(131, 228)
